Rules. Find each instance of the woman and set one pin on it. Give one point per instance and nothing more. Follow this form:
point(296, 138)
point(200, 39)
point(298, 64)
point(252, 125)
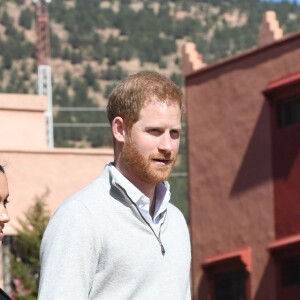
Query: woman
point(4, 218)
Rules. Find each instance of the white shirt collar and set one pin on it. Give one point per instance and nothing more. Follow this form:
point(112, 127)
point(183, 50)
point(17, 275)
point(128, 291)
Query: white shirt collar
point(162, 196)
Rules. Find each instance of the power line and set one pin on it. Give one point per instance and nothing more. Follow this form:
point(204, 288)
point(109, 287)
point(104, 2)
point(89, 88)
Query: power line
point(179, 174)
point(61, 125)
point(70, 109)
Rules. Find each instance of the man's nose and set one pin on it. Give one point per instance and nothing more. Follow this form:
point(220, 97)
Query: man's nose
point(165, 143)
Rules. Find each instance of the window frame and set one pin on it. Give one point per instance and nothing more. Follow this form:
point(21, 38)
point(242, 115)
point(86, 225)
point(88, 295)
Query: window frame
point(280, 250)
point(229, 262)
point(281, 91)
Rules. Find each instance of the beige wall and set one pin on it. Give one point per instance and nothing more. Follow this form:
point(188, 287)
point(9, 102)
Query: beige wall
point(61, 171)
point(22, 121)
point(32, 168)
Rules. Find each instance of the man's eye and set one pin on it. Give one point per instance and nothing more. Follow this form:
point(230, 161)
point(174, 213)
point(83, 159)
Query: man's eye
point(155, 131)
point(175, 134)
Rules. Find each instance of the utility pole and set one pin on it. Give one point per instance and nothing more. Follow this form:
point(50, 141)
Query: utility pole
point(43, 60)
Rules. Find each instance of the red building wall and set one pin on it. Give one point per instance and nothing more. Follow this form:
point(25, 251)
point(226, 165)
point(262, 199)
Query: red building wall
point(286, 158)
point(286, 178)
point(286, 174)
point(230, 161)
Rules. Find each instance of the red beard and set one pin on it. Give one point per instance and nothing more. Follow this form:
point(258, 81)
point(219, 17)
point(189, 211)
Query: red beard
point(145, 168)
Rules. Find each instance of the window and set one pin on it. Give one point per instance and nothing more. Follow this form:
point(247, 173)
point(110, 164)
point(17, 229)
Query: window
point(286, 255)
point(288, 111)
point(284, 97)
point(230, 285)
point(290, 271)
point(229, 275)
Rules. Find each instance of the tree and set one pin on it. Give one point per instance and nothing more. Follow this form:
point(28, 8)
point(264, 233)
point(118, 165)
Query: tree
point(66, 54)
point(114, 73)
point(76, 57)
point(98, 49)
point(7, 59)
point(177, 78)
point(25, 265)
point(68, 78)
point(6, 20)
point(89, 75)
point(26, 17)
point(55, 45)
point(109, 88)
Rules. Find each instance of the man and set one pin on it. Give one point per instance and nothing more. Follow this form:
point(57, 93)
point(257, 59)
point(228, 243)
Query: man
point(119, 238)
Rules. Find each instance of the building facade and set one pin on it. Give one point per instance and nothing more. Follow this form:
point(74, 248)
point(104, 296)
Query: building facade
point(243, 132)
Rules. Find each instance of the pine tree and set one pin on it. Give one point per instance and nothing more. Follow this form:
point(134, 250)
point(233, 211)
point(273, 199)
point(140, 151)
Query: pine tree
point(26, 18)
point(25, 265)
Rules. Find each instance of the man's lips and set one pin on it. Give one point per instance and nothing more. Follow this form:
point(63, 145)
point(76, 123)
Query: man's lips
point(163, 161)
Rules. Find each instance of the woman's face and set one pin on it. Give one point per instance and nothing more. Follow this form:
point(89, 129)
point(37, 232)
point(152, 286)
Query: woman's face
point(4, 218)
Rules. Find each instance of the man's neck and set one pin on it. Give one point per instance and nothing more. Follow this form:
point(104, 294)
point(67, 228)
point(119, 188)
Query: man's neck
point(146, 188)
point(152, 206)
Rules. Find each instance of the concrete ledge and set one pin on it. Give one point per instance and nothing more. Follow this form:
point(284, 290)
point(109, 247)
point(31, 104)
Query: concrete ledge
point(23, 102)
point(240, 256)
point(73, 151)
point(285, 243)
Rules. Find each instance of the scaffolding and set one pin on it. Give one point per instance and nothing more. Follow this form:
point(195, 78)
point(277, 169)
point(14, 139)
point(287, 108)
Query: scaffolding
point(43, 60)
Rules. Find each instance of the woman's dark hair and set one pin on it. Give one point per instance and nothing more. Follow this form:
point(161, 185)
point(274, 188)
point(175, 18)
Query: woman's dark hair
point(2, 169)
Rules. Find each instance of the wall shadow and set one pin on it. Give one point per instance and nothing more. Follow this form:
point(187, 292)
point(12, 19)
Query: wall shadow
point(203, 290)
point(258, 162)
point(267, 285)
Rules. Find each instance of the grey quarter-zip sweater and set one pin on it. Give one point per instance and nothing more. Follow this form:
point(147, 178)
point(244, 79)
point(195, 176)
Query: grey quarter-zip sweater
point(98, 246)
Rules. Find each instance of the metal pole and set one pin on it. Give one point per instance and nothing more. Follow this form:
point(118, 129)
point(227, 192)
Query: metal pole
point(43, 58)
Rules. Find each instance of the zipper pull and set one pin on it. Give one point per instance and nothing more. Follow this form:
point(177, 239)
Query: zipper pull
point(163, 251)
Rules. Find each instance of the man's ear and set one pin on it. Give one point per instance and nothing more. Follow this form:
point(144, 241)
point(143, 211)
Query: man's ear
point(118, 129)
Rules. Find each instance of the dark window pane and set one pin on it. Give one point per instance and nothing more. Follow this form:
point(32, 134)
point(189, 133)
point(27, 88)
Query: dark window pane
point(230, 286)
point(290, 268)
point(288, 111)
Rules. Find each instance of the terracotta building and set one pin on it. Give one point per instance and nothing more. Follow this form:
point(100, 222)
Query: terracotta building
point(243, 129)
point(32, 168)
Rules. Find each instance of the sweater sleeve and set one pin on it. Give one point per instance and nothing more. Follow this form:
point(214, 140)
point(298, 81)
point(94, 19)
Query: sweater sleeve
point(68, 254)
point(188, 292)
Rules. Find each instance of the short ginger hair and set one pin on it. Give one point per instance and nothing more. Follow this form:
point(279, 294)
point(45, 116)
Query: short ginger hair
point(130, 95)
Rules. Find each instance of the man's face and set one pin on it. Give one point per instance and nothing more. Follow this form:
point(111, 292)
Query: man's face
point(151, 147)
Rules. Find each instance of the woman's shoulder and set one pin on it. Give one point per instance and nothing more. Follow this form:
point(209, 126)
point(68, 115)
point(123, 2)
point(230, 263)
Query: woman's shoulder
point(4, 296)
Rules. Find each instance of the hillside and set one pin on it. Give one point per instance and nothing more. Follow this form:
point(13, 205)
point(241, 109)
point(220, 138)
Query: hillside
point(96, 43)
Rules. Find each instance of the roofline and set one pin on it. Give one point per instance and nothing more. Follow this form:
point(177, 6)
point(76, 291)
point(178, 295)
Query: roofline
point(61, 151)
point(282, 82)
point(23, 102)
point(244, 54)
